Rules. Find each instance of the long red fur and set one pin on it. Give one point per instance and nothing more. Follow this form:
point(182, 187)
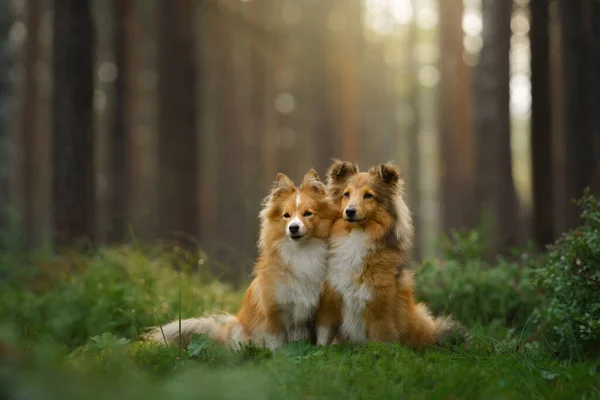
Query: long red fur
point(269, 315)
point(380, 278)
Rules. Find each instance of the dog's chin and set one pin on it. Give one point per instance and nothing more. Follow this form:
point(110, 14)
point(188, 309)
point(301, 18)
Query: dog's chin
point(297, 238)
point(352, 220)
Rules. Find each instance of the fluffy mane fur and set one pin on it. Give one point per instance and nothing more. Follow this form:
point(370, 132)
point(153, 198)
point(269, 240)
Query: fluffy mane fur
point(386, 181)
point(368, 294)
point(281, 301)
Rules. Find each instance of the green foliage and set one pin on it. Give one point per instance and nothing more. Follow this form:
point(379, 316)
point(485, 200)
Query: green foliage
point(474, 291)
point(74, 323)
point(462, 247)
point(301, 371)
point(108, 341)
point(571, 283)
point(118, 290)
point(203, 350)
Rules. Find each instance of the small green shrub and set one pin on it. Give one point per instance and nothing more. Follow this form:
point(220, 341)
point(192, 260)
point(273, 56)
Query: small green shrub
point(475, 292)
point(571, 283)
point(120, 290)
point(462, 246)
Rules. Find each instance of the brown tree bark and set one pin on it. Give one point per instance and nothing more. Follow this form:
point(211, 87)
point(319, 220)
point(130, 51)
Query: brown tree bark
point(26, 158)
point(256, 119)
point(207, 88)
point(457, 153)
point(581, 63)
point(322, 94)
point(414, 148)
point(342, 28)
point(270, 166)
point(230, 154)
point(541, 126)
point(347, 50)
point(73, 180)
point(119, 133)
point(557, 101)
point(6, 102)
point(177, 134)
point(124, 117)
point(495, 188)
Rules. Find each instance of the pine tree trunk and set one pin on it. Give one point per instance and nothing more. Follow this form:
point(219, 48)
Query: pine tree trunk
point(324, 124)
point(5, 108)
point(581, 63)
point(25, 134)
point(541, 127)
point(73, 181)
point(177, 130)
point(124, 114)
point(457, 158)
point(413, 183)
point(230, 154)
point(495, 188)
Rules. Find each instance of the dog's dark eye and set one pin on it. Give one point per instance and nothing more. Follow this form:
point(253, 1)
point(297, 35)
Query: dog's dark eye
point(368, 196)
point(286, 215)
point(307, 214)
point(347, 194)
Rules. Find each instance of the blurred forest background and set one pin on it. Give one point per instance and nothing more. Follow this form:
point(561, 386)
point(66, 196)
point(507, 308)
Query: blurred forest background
point(169, 119)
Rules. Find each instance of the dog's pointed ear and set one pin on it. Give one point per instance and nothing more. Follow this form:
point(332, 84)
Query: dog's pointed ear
point(388, 172)
point(340, 171)
point(311, 181)
point(309, 176)
point(282, 184)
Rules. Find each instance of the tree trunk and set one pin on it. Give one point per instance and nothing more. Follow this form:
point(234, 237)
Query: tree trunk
point(177, 134)
point(541, 126)
point(143, 105)
point(457, 157)
point(495, 188)
point(207, 87)
point(413, 183)
point(230, 154)
point(347, 51)
point(325, 134)
point(124, 116)
point(581, 63)
point(24, 201)
point(73, 181)
point(5, 107)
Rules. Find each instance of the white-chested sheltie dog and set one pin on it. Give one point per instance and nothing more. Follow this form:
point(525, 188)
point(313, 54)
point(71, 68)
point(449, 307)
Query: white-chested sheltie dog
point(281, 302)
point(368, 294)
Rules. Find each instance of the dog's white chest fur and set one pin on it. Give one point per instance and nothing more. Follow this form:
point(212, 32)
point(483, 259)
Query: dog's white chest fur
point(346, 263)
point(298, 293)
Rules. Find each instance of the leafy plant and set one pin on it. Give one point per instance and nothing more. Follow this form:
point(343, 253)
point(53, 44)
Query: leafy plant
point(202, 349)
point(474, 291)
point(121, 290)
point(301, 350)
point(108, 341)
point(462, 246)
point(571, 283)
point(477, 293)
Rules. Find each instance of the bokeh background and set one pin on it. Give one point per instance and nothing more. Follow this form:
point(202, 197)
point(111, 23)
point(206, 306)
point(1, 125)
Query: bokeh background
point(167, 120)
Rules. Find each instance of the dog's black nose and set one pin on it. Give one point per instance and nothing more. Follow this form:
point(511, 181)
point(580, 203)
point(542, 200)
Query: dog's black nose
point(350, 212)
point(294, 228)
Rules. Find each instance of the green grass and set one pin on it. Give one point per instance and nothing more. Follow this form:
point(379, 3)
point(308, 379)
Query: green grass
point(76, 338)
point(302, 371)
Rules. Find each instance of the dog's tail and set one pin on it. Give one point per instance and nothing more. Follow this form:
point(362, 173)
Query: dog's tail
point(444, 330)
point(223, 328)
point(419, 327)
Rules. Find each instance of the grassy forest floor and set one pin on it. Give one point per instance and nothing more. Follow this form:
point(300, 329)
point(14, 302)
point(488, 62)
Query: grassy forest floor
point(69, 327)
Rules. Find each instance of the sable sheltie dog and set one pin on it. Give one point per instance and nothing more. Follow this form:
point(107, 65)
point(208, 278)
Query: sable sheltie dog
point(281, 302)
point(368, 294)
